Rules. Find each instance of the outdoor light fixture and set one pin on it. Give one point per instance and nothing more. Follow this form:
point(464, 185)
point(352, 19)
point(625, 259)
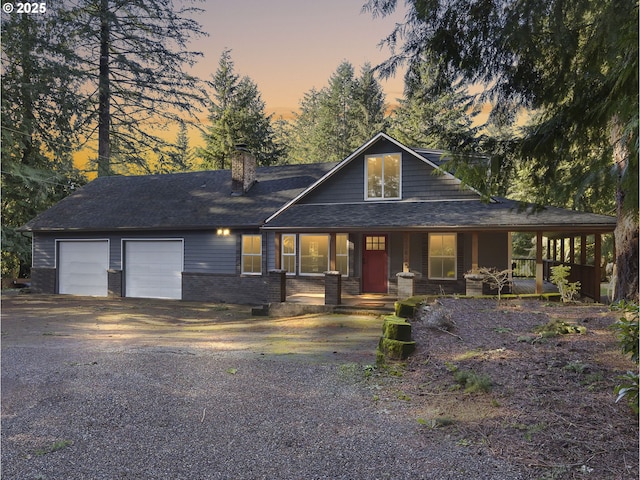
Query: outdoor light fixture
point(223, 231)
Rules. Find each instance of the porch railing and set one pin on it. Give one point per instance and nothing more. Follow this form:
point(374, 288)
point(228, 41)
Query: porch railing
point(523, 267)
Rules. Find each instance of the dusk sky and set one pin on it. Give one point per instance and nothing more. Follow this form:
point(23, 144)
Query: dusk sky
point(288, 47)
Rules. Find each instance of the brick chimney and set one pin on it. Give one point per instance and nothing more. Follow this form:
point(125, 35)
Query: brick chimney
point(243, 171)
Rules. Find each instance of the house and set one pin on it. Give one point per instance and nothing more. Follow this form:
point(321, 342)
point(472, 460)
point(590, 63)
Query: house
point(384, 218)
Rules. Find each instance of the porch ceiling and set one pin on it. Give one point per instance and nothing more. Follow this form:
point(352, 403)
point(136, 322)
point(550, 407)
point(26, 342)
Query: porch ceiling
point(443, 215)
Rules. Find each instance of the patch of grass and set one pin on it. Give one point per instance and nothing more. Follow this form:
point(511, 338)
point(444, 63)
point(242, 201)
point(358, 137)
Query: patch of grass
point(436, 422)
point(502, 330)
point(529, 430)
point(473, 382)
point(576, 366)
point(403, 396)
point(469, 354)
point(54, 447)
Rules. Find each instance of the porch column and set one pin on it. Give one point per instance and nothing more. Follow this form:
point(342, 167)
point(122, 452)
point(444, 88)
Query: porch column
point(596, 265)
point(583, 257)
point(278, 247)
point(474, 251)
point(406, 251)
point(510, 258)
point(539, 264)
point(562, 252)
point(332, 288)
point(332, 251)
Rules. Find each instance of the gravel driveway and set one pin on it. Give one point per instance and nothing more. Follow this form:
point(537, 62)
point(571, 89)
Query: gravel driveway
point(125, 389)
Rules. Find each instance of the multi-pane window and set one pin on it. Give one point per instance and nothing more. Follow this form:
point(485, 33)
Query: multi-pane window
point(289, 254)
point(252, 254)
point(442, 256)
point(383, 177)
point(375, 242)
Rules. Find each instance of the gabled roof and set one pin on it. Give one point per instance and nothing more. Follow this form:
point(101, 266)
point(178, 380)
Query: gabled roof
point(195, 200)
point(430, 157)
point(203, 200)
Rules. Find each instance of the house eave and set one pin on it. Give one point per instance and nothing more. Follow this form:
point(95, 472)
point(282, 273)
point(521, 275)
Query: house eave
point(155, 228)
point(547, 228)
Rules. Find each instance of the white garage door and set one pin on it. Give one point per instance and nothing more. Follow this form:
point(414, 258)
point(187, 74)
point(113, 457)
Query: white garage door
point(153, 268)
point(82, 267)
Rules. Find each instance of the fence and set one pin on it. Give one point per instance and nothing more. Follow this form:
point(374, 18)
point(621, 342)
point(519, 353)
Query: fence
point(524, 267)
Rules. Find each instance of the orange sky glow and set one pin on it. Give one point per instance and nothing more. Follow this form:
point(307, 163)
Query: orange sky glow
point(287, 47)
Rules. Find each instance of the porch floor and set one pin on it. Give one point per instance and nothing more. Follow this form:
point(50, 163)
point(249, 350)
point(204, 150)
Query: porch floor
point(366, 300)
point(378, 300)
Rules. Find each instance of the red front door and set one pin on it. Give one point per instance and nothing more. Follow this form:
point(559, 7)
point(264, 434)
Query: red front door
point(374, 264)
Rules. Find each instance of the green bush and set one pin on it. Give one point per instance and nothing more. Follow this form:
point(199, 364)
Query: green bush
point(627, 332)
point(560, 278)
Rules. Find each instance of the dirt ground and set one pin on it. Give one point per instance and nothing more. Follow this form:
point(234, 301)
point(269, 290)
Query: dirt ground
point(548, 406)
point(549, 402)
point(131, 321)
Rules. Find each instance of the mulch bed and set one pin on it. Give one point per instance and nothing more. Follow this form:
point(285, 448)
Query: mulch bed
point(549, 403)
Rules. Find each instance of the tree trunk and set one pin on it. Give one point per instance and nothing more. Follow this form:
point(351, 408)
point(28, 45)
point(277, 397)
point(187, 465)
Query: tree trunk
point(104, 115)
point(626, 232)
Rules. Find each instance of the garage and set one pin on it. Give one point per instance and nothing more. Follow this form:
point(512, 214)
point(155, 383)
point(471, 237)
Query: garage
point(82, 267)
point(153, 268)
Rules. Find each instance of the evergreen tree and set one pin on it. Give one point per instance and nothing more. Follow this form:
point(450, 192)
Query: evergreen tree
point(370, 105)
point(574, 63)
point(432, 119)
point(334, 121)
point(133, 58)
point(237, 116)
point(39, 113)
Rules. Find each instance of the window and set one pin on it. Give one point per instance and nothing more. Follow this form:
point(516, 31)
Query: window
point(289, 254)
point(375, 243)
point(314, 254)
point(383, 177)
point(342, 253)
point(442, 256)
point(252, 254)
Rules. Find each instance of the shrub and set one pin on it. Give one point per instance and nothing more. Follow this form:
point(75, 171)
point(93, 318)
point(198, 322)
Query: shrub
point(627, 332)
point(569, 292)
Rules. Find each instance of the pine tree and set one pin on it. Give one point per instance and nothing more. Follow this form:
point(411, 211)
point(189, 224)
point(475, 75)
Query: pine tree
point(39, 113)
point(574, 63)
point(133, 61)
point(334, 121)
point(237, 116)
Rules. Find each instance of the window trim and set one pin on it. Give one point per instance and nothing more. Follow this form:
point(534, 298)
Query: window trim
point(455, 256)
point(366, 177)
point(243, 254)
point(346, 255)
point(294, 254)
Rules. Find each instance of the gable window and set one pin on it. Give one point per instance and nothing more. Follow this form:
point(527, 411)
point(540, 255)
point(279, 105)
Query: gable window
point(289, 254)
point(252, 254)
point(442, 256)
point(383, 177)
